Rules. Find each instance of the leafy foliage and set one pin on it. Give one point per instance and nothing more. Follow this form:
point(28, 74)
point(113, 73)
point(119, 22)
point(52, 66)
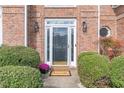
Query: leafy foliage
point(92, 67)
point(110, 46)
point(86, 54)
point(117, 72)
point(18, 55)
point(20, 77)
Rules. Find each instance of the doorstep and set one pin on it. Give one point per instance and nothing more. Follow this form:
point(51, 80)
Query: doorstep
point(60, 71)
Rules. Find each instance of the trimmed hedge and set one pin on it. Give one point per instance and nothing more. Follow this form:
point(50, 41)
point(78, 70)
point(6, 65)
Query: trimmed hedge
point(20, 77)
point(86, 54)
point(92, 67)
point(19, 55)
point(117, 72)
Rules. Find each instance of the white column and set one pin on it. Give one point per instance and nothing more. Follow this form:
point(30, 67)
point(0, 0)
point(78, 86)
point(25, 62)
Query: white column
point(25, 37)
point(98, 27)
point(1, 32)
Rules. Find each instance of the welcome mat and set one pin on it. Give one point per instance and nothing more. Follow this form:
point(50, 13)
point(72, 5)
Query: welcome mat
point(60, 71)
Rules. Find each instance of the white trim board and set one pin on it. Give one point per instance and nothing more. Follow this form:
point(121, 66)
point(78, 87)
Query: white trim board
point(1, 33)
point(25, 22)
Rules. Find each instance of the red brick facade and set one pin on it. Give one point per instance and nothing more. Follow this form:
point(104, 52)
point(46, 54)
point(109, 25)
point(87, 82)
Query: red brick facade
point(13, 24)
point(119, 11)
point(81, 13)
point(108, 18)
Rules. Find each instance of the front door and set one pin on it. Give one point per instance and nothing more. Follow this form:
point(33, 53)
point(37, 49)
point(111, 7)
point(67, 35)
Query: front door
point(60, 42)
point(60, 45)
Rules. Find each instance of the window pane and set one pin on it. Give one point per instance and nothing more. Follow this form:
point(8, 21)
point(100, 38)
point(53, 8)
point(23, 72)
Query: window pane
point(60, 39)
point(103, 32)
point(48, 44)
point(72, 44)
point(60, 22)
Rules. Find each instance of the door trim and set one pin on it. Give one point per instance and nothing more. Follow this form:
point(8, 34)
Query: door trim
point(69, 27)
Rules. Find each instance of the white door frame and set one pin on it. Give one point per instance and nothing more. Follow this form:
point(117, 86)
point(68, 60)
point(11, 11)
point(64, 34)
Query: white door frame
point(69, 27)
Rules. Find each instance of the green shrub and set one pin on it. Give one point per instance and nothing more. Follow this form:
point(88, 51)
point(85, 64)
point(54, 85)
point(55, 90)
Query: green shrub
point(20, 77)
point(85, 54)
point(18, 55)
point(117, 71)
point(91, 67)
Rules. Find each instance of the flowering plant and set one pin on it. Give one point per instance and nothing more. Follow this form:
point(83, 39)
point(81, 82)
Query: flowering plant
point(111, 47)
point(44, 68)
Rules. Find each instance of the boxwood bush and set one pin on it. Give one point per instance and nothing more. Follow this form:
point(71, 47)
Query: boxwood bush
point(20, 77)
point(18, 55)
point(86, 54)
point(91, 67)
point(117, 72)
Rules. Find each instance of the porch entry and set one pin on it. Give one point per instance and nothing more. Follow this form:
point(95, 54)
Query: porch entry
point(60, 42)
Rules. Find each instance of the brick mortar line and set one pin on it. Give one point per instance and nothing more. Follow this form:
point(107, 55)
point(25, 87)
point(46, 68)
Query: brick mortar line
point(13, 13)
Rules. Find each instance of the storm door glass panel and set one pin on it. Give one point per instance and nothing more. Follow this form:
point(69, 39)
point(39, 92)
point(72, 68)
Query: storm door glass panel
point(48, 44)
point(72, 44)
point(60, 40)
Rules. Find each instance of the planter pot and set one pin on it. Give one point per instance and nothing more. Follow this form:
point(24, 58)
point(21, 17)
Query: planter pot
point(44, 71)
point(45, 76)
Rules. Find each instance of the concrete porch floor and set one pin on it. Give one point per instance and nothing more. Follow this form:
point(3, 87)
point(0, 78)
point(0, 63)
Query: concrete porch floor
point(63, 81)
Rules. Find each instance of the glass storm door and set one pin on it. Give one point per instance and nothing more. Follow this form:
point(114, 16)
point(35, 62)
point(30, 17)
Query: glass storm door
point(60, 43)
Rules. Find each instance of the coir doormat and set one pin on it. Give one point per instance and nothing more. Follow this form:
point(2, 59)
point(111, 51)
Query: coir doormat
point(60, 71)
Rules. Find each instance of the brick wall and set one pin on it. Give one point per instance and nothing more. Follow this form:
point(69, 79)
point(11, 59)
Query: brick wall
point(119, 11)
point(13, 25)
point(55, 12)
point(108, 18)
point(85, 41)
point(36, 39)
